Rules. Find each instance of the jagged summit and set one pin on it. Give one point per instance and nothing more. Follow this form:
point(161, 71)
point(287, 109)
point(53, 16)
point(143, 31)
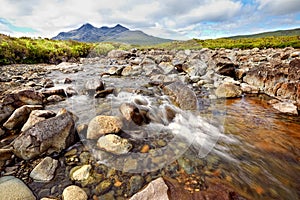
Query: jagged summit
point(118, 33)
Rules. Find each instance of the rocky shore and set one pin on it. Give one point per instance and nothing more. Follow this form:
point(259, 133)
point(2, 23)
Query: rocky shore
point(46, 154)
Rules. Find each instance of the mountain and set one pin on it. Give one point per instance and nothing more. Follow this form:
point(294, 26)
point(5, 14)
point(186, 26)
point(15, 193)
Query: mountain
point(290, 32)
point(118, 33)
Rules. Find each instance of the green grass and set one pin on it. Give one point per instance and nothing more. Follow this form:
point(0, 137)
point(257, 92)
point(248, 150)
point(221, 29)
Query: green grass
point(30, 51)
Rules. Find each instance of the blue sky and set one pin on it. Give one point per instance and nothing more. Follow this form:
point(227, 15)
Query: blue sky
point(169, 18)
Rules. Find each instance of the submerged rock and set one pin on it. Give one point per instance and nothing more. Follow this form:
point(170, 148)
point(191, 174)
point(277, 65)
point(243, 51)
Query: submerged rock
point(114, 144)
point(48, 136)
point(285, 107)
point(156, 189)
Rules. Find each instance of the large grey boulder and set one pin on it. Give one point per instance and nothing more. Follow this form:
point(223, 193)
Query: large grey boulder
point(13, 188)
point(48, 136)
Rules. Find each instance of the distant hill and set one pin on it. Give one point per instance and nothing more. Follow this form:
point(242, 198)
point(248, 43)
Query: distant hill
point(291, 32)
point(118, 33)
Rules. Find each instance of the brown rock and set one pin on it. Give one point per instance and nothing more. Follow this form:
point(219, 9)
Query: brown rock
point(19, 98)
point(20, 116)
point(228, 90)
point(101, 125)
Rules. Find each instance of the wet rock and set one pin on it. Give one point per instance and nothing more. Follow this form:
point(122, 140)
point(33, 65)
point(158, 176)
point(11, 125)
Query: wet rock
point(55, 98)
point(156, 189)
point(14, 188)
point(47, 83)
point(103, 187)
point(73, 192)
point(2, 132)
point(285, 107)
point(114, 144)
point(226, 68)
point(50, 135)
point(45, 170)
point(94, 85)
point(70, 92)
point(82, 130)
point(20, 116)
point(80, 173)
point(19, 98)
point(104, 93)
point(135, 184)
point(228, 90)
point(37, 116)
point(67, 81)
point(101, 125)
point(186, 165)
point(182, 96)
point(131, 113)
point(295, 54)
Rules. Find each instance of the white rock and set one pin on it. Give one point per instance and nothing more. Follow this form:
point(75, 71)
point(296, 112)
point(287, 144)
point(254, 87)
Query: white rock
point(74, 192)
point(114, 144)
point(286, 107)
point(82, 173)
point(156, 189)
point(45, 170)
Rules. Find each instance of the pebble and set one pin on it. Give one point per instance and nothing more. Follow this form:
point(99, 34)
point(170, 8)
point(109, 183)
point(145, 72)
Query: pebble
point(74, 192)
point(80, 173)
point(45, 170)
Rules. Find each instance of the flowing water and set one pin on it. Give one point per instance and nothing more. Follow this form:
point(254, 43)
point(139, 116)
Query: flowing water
point(244, 141)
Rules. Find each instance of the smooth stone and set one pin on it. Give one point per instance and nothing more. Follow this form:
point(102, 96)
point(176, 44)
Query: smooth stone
point(20, 115)
point(114, 144)
point(55, 98)
point(80, 173)
point(156, 189)
point(73, 192)
point(101, 125)
point(70, 91)
point(45, 170)
point(13, 188)
point(228, 90)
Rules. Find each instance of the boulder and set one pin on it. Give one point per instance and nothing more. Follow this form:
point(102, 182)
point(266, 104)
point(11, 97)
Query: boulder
point(120, 54)
point(131, 113)
point(228, 90)
point(37, 116)
point(93, 85)
point(20, 116)
point(48, 136)
point(54, 91)
point(194, 67)
point(114, 144)
point(73, 192)
point(181, 95)
point(14, 188)
point(166, 67)
point(45, 170)
point(101, 125)
point(54, 98)
point(294, 70)
point(156, 189)
point(134, 70)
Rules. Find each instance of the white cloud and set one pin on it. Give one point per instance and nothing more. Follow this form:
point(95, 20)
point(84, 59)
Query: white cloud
point(168, 18)
point(279, 7)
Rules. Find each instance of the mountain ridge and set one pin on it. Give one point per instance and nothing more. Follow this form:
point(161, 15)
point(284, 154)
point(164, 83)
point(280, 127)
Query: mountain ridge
point(284, 32)
point(118, 33)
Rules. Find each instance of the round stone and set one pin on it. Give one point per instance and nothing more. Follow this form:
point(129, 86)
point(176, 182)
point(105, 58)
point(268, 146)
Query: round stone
point(74, 192)
point(101, 125)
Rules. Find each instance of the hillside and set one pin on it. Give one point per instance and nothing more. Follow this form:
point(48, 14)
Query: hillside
point(118, 33)
point(291, 32)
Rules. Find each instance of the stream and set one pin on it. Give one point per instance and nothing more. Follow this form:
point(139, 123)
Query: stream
point(247, 144)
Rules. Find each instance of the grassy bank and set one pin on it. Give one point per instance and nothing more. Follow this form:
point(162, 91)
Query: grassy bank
point(30, 51)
